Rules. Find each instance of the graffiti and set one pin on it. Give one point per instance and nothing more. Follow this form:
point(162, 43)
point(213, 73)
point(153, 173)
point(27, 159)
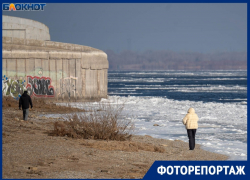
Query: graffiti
point(67, 87)
point(40, 71)
point(11, 87)
point(40, 86)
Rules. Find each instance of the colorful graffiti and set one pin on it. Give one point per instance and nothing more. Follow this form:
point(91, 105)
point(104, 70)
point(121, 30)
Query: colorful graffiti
point(68, 87)
point(12, 87)
point(40, 86)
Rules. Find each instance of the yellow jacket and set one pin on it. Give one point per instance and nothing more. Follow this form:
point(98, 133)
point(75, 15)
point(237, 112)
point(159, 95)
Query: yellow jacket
point(191, 119)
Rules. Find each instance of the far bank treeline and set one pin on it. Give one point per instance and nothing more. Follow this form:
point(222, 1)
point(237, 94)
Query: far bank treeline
point(168, 60)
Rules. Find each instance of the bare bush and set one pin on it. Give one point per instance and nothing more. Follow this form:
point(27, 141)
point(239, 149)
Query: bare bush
point(101, 122)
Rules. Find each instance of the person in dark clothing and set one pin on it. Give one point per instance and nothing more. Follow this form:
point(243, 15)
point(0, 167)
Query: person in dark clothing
point(25, 101)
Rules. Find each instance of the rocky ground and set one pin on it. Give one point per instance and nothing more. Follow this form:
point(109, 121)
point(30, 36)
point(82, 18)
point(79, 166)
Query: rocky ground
point(28, 151)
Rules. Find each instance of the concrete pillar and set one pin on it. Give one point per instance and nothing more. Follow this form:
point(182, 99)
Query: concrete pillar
point(105, 88)
point(30, 67)
point(83, 79)
point(79, 76)
point(52, 74)
point(101, 83)
point(65, 67)
point(30, 72)
point(11, 66)
point(91, 83)
point(38, 67)
point(73, 79)
point(45, 68)
point(59, 76)
point(21, 74)
point(4, 68)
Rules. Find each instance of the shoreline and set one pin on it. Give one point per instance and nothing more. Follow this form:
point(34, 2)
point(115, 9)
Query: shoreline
point(29, 152)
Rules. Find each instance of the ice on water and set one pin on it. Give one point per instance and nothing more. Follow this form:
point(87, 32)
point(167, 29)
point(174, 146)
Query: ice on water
point(222, 126)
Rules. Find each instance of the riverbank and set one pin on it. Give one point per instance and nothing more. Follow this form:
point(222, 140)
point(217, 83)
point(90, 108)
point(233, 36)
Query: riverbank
point(29, 151)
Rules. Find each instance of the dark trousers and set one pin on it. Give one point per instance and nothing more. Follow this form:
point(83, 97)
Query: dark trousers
point(25, 114)
point(191, 136)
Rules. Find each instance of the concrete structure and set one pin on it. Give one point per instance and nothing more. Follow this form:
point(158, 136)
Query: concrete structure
point(48, 69)
point(24, 28)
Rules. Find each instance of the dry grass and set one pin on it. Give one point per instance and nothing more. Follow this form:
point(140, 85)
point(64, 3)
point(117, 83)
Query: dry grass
point(101, 122)
point(124, 146)
point(40, 105)
point(8, 101)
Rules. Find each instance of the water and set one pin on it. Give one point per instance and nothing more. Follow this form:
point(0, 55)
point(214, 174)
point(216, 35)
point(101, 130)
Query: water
point(163, 97)
point(206, 86)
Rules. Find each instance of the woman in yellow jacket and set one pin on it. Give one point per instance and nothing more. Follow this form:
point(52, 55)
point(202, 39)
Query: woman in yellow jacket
point(191, 122)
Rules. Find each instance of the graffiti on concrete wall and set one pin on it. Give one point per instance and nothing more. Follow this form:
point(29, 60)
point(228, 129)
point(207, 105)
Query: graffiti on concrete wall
point(40, 86)
point(12, 87)
point(68, 87)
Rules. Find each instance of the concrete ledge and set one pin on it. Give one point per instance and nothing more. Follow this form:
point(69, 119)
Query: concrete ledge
point(85, 64)
point(38, 55)
point(94, 60)
point(76, 55)
point(32, 42)
point(24, 55)
point(64, 55)
point(19, 54)
point(7, 40)
point(7, 47)
point(88, 61)
point(18, 41)
point(52, 44)
point(77, 48)
point(99, 64)
point(66, 46)
point(6, 54)
point(15, 47)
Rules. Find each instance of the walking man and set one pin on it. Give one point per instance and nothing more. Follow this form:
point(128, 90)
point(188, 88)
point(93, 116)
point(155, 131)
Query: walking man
point(191, 122)
point(25, 101)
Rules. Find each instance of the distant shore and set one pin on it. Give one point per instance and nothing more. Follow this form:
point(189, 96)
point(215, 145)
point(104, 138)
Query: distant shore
point(29, 152)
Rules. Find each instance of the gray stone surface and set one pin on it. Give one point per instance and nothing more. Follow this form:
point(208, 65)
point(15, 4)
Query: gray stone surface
point(65, 71)
point(24, 28)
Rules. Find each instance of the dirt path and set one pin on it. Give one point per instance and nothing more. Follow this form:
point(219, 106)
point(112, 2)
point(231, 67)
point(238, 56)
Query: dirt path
point(29, 152)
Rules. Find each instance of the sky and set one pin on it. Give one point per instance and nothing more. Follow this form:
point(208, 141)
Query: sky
point(179, 27)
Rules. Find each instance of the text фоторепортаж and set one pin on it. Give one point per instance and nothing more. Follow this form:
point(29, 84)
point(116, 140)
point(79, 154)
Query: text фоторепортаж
point(201, 170)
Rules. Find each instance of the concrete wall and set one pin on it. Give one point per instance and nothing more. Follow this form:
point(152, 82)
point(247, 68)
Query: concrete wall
point(24, 28)
point(53, 70)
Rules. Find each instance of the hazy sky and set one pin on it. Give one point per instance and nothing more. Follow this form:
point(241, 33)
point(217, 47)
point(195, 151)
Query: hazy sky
point(200, 27)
